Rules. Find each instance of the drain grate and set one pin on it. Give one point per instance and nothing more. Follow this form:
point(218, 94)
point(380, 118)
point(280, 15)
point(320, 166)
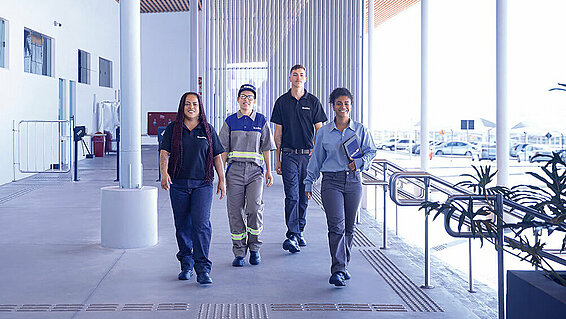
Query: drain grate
point(233, 311)
point(361, 240)
point(338, 307)
point(448, 245)
point(100, 307)
point(412, 295)
point(19, 193)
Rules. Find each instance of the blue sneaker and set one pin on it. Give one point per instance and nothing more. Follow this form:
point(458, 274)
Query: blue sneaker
point(238, 261)
point(255, 258)
point(185, 274)
point(204, 278)
point(291, 245)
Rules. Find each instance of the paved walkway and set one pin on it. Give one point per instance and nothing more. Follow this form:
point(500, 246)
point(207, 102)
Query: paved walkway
point(52, 264)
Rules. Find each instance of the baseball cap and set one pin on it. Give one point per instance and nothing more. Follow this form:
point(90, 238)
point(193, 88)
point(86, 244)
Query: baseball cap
point(247, 87)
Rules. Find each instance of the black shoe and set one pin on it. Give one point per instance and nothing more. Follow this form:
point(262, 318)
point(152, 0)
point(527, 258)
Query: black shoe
point(301, 240)
point(347, 275)
point(238, 261)
point(185, 274)
point(291, 245)
point(255, 258)
point(204, 278)
point(337, 279)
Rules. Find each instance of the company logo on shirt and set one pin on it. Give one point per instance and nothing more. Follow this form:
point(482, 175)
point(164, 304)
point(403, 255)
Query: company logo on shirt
point(257, 128)
point(306, 108)
point(204, 137)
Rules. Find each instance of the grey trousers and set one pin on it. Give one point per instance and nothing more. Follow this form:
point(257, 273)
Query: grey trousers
point(244, 201)
point(341, 195)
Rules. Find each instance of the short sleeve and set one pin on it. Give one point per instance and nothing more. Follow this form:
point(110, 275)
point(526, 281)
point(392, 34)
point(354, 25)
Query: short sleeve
point(266, 139)
point(224, 136)
point(217, 147)
point(166, 140)
point(276, 116)
point(319, 115)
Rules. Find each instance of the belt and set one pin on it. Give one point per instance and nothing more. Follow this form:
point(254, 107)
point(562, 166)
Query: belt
point(296, 151)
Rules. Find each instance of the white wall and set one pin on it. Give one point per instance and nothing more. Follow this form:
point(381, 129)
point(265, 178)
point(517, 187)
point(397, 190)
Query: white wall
point(90, 25)
point(165, 63)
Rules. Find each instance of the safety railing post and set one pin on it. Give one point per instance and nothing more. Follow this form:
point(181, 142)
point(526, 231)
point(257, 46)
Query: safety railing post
point(384, 207)
point(427, 284)
point(117, 154)
point(470, 278)
point(500, 268)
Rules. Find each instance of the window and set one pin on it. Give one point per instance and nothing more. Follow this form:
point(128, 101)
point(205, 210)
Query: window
point(2, 43)
point(104, 72)
point(37, 53)
point(84, 67)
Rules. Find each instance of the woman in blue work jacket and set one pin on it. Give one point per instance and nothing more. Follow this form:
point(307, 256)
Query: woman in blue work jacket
point(189, 153)
point(341, 187)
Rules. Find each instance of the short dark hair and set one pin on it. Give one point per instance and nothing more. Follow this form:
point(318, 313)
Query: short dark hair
point(338, 92)
point(297, 67)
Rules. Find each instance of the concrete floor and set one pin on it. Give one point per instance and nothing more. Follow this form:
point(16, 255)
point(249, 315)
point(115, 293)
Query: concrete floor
point(52, 264)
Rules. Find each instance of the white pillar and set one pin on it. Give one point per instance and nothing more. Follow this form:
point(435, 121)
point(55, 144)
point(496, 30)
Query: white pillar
point(424, 87)
point(129, 212)
point(130, 83)
point(194, 46)
point(371, 74)
point(502, 122)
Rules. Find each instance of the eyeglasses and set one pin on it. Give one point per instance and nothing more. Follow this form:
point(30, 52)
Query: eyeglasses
point(247, 97)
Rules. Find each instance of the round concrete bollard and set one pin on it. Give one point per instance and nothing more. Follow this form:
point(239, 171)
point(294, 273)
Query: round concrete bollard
point(128, 217)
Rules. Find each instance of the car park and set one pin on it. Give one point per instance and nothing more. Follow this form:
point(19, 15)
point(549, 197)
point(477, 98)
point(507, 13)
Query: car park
point(403, 144)
point(455, 148)
point(516, 149)
point(487, 152)
point(387, 144)
point(530, 152)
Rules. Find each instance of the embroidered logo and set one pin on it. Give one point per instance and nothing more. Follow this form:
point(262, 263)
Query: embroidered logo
point(306, 108)
point(204, 137)
point(257, 128)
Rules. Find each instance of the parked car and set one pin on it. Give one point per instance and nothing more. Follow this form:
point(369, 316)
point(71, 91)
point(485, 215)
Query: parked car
point(404, 144)
point(455, 148)
point(487, 152)
point(517, 148)
point(387, 144)
point(417, 148)
point(531, 150)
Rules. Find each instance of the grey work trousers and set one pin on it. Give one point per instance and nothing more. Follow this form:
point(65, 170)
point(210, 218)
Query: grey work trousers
point(244, 201)
point(341, 195)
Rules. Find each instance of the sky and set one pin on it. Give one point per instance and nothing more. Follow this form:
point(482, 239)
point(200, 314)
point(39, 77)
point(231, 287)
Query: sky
point(462, 66)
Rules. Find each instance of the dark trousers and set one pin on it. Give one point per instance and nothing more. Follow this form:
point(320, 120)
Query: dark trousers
point(191, 201)
point(294, 171)
point(341, 196)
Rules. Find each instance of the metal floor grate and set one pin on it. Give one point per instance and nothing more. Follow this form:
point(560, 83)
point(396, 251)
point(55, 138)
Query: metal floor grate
point(317, 196)
point(102, 307)
point(18, 193)
point(361, 240)
point(233, 311)
point(416, 299)
point(338, 307)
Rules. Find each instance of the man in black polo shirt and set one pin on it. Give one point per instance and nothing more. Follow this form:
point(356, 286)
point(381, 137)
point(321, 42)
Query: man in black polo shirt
point(296, 114)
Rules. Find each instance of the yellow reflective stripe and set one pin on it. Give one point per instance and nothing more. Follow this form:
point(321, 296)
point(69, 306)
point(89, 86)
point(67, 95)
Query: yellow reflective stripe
point(245, 155)
point(238, 236)
point(255, 231)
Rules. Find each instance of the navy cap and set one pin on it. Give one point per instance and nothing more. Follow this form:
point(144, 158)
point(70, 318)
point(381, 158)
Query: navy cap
point(247, 87)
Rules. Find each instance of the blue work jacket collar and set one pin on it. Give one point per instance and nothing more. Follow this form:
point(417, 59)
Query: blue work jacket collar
point(252, 116)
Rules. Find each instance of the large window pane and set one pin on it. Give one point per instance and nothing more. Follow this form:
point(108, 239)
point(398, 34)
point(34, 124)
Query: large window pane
point(37, 53)
point(84, 67)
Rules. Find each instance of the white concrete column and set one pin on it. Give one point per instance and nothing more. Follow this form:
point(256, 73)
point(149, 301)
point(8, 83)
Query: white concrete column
point(194, 46)
point(129, 212)
point(130, 84)
point(424, 87)
point(502, 121)
point(371, 65)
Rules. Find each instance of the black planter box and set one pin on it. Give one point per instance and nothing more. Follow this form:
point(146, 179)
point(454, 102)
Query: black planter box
point(532, 295)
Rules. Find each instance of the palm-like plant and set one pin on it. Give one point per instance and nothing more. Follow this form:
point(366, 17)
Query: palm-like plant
point(549, 200)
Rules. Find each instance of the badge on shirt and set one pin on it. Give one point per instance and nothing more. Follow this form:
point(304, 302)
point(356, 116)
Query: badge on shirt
point(306, 108)
point(204, 137)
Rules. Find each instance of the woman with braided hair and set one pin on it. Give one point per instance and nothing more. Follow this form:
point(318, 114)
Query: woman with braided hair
point(189, 153)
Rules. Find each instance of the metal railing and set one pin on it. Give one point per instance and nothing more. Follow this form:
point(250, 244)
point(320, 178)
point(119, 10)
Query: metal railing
point(42, 146)
point(502, 207)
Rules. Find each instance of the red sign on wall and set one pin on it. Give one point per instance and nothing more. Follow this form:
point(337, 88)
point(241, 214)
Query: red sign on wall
point(157, 119)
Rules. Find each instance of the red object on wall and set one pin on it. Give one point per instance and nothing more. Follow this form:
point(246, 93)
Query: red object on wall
point(157, 119)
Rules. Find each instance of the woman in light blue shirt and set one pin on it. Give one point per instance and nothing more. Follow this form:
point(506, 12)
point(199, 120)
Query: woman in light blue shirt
point(341, 187)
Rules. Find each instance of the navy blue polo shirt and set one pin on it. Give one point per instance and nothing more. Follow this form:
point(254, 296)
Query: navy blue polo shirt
point(195, 149)
point(297, 118)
